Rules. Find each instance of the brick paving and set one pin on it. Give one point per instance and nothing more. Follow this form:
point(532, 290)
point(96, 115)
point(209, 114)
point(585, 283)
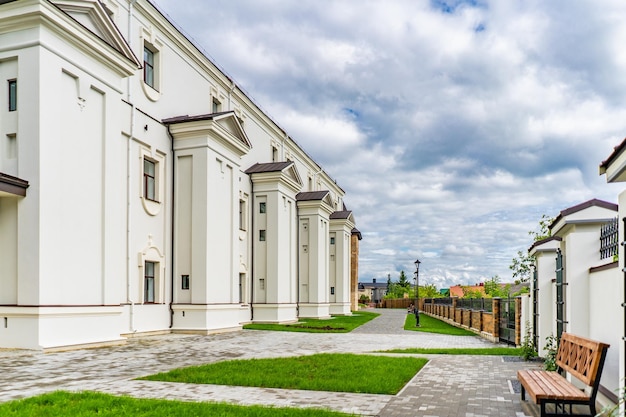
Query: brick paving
point(468, 386)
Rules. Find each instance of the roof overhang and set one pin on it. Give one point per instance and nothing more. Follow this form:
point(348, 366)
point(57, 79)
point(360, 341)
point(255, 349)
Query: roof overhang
point(615, 165)
point(12, 186)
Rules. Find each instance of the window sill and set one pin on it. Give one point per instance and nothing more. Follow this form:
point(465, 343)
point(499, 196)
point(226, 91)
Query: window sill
point(152, 207)
point(150, 92)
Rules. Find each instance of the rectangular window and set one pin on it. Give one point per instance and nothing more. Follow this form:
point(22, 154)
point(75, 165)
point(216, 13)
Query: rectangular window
point(148, 66)
point(262, 208)
point(274, 154)
point(332, 290)
point(148, 296)
point(242, 215)
point(12, 95)
point(332, 240)
point(216, 106)
point(184, 280)
point(242, 277)
point(262, 283)
point(262, 235)
point(149, 180)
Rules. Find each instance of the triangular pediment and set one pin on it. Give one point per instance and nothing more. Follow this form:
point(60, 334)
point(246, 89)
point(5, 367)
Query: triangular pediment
point(292, 173)
point(92, 15)
point(229, 122)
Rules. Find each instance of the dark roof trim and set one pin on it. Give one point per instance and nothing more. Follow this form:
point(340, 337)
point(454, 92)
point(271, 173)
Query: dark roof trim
point(356, 232)
point(311, 195)
point(542, 241)
point(340, 214)
point(13, 185)
point(616, 151)
point(268, 167)
point(187, 118)
point(582, 206)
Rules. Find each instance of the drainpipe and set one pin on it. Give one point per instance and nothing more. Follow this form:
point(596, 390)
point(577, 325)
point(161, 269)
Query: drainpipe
point(129, 298)
point(173, 205)
point(251, 248)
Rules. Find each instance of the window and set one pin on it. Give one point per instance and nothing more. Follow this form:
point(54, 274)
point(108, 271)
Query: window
point(332, 290)
point(262, 284)
point(242, 215)
point(274, 154)
point(149, 180)
point(262, 208)
point(216, 106)
point(184, 282)
point(242, 278)
point(149, 291)
point(12, 95)
point(148, 66)
point(332, 240)
point(262, 235)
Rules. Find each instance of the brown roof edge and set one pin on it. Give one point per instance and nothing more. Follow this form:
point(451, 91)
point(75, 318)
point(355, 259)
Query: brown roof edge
point(13, 185)
point(358, 234)
point(344, 214)
point(311, 195)
point(542, 241)
point(582, 206)
point(187, 118)
point(616, 151)
point(268, 167)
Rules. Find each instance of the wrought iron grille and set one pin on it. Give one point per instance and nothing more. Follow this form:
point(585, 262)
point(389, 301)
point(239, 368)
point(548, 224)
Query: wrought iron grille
point(609, 239)
point(560, 299)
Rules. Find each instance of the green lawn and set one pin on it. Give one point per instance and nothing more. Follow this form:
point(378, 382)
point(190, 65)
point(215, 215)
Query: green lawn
point(431, 325)
point(335, 324)
point(90, 404)
point(321, 372)
point(496, 351)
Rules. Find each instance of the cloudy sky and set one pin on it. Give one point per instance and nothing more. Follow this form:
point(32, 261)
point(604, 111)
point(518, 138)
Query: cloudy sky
point(451, 125)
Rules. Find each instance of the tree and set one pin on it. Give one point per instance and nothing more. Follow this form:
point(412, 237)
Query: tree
point(493, 288)
point(522, 263)
point(404, 281)
point(429, 291)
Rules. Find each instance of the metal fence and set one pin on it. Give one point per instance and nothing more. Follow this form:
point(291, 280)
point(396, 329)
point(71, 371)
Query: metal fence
point(477, 304)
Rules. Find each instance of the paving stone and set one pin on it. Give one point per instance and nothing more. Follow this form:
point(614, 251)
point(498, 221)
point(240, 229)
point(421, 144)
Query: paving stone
point(448, 386)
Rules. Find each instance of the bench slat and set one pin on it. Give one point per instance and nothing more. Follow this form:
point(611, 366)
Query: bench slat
point(542, 385)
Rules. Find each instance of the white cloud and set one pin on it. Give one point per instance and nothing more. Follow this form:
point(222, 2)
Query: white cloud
point(452, 133)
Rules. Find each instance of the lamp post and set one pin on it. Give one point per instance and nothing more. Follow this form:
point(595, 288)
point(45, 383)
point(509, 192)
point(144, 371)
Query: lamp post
point(417, 286)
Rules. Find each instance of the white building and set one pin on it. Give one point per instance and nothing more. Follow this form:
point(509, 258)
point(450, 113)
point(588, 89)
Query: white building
point(142, 191)
point(575, 285)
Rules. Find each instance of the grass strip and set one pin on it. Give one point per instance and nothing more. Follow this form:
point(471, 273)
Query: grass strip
point(495, 351)
point(430, 324)
point(335, 324)
point(321, 372)
point(89, 404)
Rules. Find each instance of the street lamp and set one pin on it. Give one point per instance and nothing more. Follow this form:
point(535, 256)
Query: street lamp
point(417, 286)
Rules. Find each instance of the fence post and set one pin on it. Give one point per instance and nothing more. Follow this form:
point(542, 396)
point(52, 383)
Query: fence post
point(496, 318)
point(518, 321)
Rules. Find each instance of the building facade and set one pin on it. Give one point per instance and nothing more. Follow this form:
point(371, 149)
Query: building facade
point(142, 191)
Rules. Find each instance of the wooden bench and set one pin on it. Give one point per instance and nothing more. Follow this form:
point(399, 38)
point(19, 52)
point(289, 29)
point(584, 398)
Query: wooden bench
point(582, 358)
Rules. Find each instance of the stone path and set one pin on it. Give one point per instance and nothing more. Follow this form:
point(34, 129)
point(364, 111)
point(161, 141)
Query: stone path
point(446, 386)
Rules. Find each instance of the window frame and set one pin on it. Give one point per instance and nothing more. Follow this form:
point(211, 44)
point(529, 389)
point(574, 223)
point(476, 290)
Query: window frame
point(149, 289)
point(149, 70)
point(12, 94)
point(262, 235)
point(150, 181)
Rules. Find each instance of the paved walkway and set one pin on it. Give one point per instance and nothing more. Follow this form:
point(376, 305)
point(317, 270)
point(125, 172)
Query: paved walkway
point(447, 386)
